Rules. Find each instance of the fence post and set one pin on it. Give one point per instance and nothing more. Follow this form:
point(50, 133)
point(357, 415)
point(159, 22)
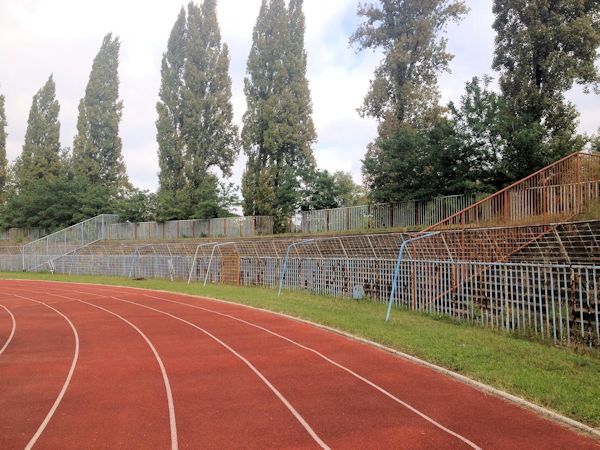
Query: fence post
point(285, 261)
point(397, 268)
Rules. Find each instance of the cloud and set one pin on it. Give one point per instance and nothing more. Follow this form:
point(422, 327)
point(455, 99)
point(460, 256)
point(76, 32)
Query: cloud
point(63, 36)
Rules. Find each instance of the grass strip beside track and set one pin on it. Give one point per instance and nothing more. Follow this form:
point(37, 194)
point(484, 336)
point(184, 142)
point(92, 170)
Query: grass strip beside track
point(560, 379)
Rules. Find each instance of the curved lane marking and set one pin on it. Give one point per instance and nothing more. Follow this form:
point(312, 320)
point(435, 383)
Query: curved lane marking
point(43, 425)
point(12, 333)
point(172, 423)
point(340, 366)
point(279, 395)
point(316, 352)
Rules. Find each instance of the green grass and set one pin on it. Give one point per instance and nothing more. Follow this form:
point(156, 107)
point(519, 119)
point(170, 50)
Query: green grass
point(560, 379)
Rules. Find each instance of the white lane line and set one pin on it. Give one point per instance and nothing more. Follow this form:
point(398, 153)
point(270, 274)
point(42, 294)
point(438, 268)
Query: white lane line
point(172, 423)
point(12, 333)
point(279, 395)
point(346, 369)
point(340, 366)
point(42, 427)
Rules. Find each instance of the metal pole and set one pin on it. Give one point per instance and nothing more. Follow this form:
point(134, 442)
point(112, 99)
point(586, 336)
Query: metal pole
point(397, 268)
point(194, 261)
point(287, 254)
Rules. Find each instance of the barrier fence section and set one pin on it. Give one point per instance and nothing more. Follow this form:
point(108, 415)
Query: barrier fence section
point(549, 289)
point(22, 234)
point(408, 213)
point(44, 251)
point(11, 258)
point(195, 228)
point(555, 193)
point(551, 301)
point(554, 302)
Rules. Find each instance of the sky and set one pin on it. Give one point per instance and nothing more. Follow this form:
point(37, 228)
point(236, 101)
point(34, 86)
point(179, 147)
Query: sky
point(62, 37)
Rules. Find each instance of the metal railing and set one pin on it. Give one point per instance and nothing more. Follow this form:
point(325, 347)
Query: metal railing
point(194, 228)
point(555, 193)
point(38, 253)
point(409, 213)
point(22, 234)
point(549, 289)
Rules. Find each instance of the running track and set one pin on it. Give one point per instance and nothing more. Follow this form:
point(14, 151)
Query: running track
point(85, 366)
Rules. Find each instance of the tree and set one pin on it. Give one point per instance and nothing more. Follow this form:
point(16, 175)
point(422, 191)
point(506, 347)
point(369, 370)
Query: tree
point(542, 49)
point(349, 193)
point(97, 159)
point(136, 205)
point(209, 136)
point(38, 189)
point(393, 169)
point(40, 158)
point(195, 130)
point(410, 33)
point(460, 152)
point(325, 190)
point(47, 202)
point(3, 160)
point(278, 129)
point(321, 192)
point(169, 124)
point(479, 121)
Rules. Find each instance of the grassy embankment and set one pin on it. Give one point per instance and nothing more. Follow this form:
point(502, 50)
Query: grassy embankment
point(560, 379)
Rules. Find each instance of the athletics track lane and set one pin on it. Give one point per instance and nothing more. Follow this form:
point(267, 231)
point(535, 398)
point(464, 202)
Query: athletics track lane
point(33, 368)
point(494, 423)
point(215, 396)
point(87, 415)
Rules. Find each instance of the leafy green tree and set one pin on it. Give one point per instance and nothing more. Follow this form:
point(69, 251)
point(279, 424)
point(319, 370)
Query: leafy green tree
point(349, 193)
point(195, 130)
point(38, 192)
point(460, 152)
point(209, 136)
point(410, 33)
point(40, 158)
point(171, 157)
point(278, 129)
point(136, 205)
point(542, 49)
point(325, 190)
point(321, 192)
point(3, 160)
point(47, 202)
point(97, 159)
point(479, 121)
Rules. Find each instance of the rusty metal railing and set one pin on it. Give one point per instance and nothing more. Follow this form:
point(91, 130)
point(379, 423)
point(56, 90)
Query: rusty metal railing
point(555, 193)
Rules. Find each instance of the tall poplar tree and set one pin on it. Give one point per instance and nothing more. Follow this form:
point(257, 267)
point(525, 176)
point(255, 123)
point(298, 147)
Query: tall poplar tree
point(404, 95)
point(3, 160)
point(195, 130)
point(40, 195)
point(169, 124)
point(97, 159)
point(209, 136)
point(404, 90)
point(543, 47)
point(278, 129)
point(40, 158)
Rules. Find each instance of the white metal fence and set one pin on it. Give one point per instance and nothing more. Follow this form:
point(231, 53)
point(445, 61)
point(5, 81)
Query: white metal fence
point(534, 293)
point(48, 248)
point(551, 301)
point(195, 228)
point(22, 234)
point(410, 213)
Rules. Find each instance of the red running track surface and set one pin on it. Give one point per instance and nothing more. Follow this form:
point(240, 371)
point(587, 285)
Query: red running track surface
point(85, 366)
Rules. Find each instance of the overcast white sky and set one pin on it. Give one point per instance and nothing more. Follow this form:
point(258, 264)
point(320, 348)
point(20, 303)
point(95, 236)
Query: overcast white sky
point(40, 37)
